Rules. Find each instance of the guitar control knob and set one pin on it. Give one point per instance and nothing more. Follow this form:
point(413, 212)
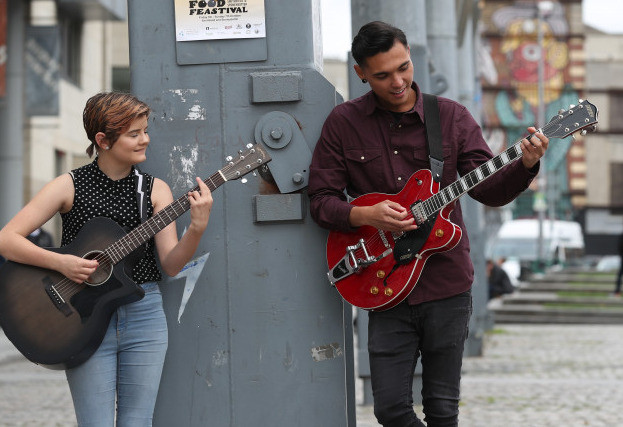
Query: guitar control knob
point(374, 290)
point(389, 292)
point(439, 232)
point(380, 274)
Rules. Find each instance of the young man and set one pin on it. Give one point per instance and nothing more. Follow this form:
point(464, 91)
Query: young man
point(373, 144)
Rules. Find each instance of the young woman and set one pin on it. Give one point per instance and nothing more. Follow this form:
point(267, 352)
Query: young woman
point(124, 372)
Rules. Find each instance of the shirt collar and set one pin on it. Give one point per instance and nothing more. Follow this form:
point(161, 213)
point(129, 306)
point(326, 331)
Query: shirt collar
point(106, 178)
point(371, 103)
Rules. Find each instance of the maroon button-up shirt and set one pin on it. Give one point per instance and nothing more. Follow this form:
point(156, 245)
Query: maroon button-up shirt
point(362, 149)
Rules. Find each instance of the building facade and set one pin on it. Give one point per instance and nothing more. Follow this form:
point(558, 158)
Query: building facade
point(533, 66)
point(70, 51)
point(602, 213)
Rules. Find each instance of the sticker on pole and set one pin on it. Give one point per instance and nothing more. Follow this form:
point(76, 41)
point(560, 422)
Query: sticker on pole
point(219, 19)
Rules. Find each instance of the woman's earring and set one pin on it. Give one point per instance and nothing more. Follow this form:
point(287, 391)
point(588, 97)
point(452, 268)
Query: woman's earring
point(106, 147)
point(364, 81)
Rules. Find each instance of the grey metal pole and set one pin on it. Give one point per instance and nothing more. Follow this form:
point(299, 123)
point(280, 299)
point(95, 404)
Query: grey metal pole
point(543, 8)
point(409, 16)
point(442, 42)
point(474, 217)
point(12, 116)
point(257, 336)
point(542, 180)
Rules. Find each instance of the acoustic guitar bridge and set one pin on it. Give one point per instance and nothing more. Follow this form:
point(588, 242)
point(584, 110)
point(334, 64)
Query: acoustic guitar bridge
point(56, 297)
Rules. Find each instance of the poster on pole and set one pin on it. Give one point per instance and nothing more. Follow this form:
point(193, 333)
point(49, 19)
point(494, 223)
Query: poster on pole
point(219, 19)
point(3, 48)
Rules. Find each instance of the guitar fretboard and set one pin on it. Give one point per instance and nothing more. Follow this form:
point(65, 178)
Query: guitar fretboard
point(560, 126)
point(141, 234)
point(447, 195)
point(247, 161)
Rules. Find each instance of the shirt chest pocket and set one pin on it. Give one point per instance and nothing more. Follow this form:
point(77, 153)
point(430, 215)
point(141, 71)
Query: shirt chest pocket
point(363, 155)
point(367, 169)
point(366, 160)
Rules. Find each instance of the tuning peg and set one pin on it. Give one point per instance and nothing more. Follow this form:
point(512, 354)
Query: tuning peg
point(243, 180)
point(561, 111)
point(573, 136)
point(584, 132)
point(229, 159)
point(581, 101)
point(249, 145)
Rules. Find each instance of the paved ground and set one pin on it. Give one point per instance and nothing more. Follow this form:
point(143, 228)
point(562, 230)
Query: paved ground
point(542, 375)
point(530, 375)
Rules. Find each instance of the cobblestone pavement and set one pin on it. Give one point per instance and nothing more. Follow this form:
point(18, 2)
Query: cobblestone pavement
point(31, 396)
point(529, 375)
point(541, 376)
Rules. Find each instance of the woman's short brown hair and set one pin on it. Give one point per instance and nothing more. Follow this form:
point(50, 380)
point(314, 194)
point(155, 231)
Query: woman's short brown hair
point(111, 113)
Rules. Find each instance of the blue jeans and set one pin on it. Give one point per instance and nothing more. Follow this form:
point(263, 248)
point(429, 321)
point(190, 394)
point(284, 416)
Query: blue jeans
point(125, 369)
point(434, 330)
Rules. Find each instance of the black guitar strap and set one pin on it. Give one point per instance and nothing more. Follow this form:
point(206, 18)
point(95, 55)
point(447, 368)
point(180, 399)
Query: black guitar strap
point(141, 183)
point(433, 135)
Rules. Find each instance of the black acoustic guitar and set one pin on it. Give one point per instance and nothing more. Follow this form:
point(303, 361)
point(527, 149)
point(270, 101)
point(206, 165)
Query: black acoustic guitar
point(58, 323)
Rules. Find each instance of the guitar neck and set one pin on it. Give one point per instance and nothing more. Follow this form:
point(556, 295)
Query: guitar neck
point(468, 181)
point(578, 118)
point(141, 234)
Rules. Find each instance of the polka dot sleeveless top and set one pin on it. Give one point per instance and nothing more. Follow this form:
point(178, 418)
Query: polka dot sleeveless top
point(96, 195)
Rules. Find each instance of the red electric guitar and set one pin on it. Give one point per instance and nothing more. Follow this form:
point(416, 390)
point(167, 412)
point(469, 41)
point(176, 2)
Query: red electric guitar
point(375, 269)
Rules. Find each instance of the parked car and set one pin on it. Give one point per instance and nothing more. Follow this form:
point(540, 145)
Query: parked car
point(563, 243)
point(609, 263)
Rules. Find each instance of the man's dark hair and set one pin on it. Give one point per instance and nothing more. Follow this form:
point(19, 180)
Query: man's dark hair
point(375, 37)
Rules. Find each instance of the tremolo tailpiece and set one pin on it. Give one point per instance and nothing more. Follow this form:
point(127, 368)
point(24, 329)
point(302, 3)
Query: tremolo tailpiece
point(350, 263)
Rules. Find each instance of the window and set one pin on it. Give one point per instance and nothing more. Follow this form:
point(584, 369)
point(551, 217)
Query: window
point(121, 79)
point(71, 40)
point(616, 108)
point(616, 187)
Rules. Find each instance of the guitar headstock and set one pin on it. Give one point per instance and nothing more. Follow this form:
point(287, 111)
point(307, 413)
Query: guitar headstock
point(581, 117)
point(247, 161)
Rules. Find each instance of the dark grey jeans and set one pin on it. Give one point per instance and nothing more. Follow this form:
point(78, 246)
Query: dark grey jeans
point(434, 331)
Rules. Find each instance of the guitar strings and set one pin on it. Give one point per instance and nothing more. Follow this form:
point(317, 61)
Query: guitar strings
point(68, 288)
point(375, 239)
point(428, 204)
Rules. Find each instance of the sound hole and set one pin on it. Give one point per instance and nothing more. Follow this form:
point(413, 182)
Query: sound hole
point(104, 270)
